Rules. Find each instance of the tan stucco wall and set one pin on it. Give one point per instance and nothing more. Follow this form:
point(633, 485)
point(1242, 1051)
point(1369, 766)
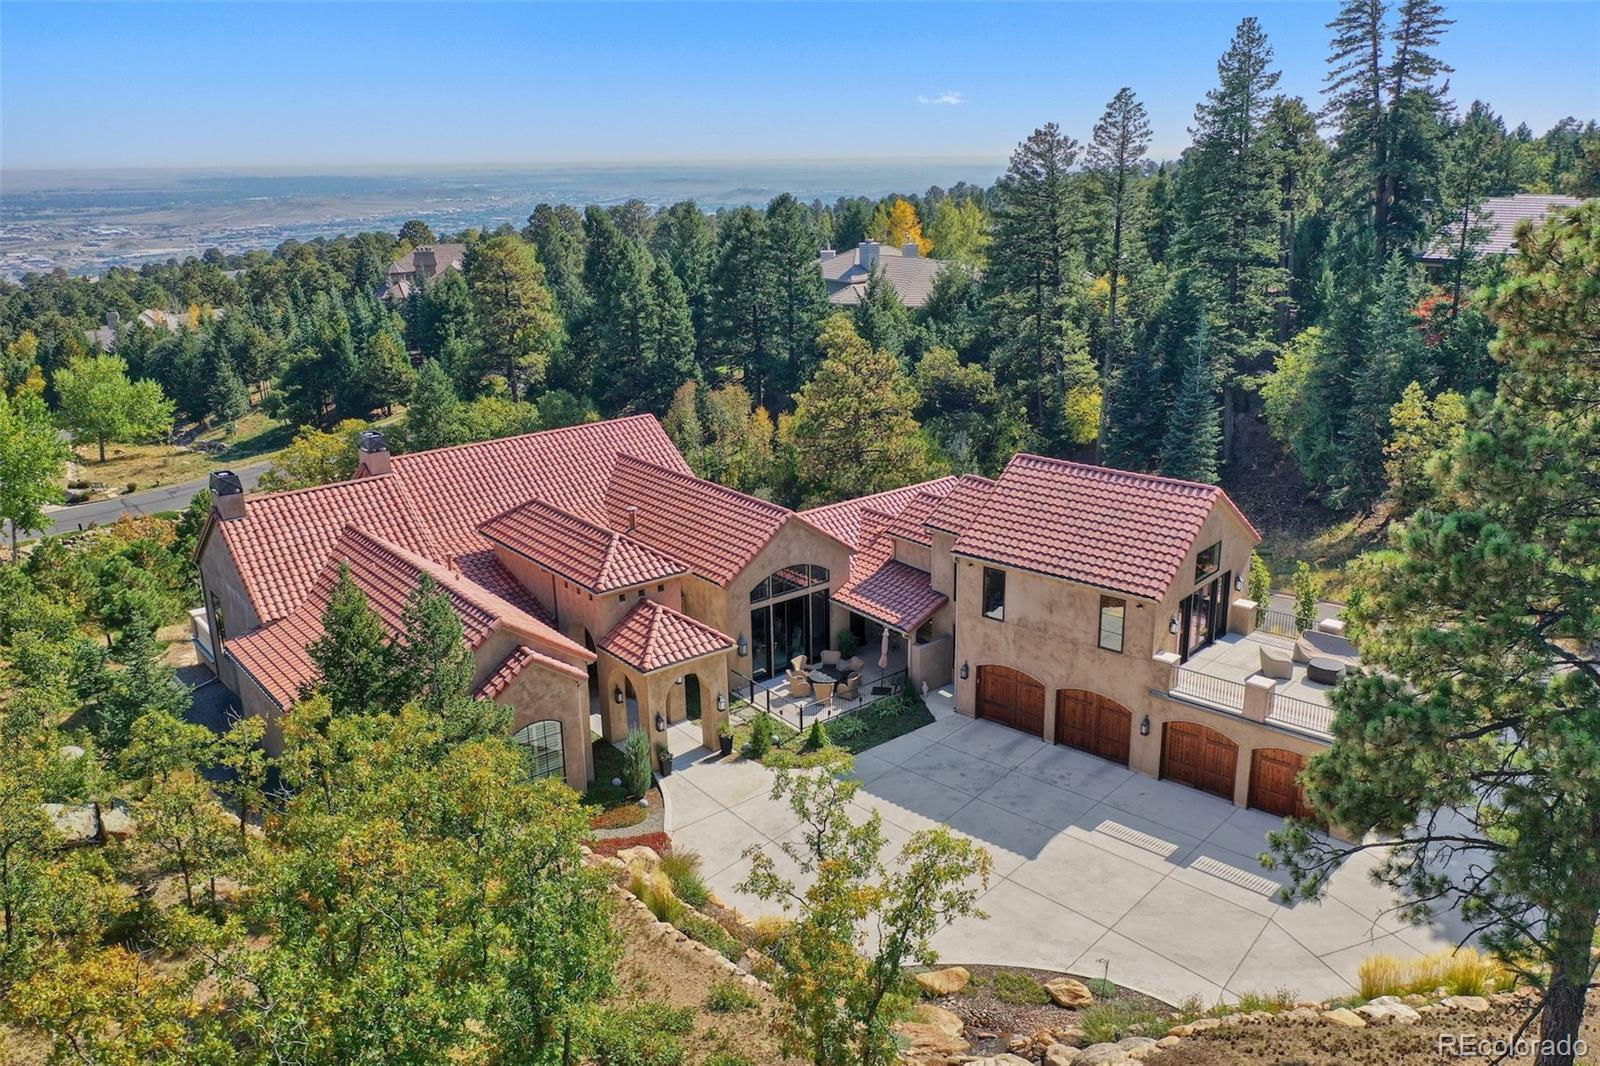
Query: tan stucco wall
point(576, 609)
point(795, 543)
point(219, 576)
point(1144, 755)
point(913, 554)
point(542, 695)
point(659, 691)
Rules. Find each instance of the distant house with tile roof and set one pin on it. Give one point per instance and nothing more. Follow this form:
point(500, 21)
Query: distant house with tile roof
point(593, 573)
point(422, 265)
point(911, 274)
point(1493, 229)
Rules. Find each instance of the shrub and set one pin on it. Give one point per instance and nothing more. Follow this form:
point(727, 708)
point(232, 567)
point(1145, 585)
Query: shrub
point(636, 764)
point(655, 889)
point(1305, 598)
point(817, 737)
point(683, 870)
point(1279, 999)
point(645, 1034)
point(768, 929)
point(760, 741)
point(729, 995)
point(1018, 988)
point(1101, 988)
point(1106, 1023)
point(1465, 972)
point(1260, 586)
point(1381, 975)
point(709, 932)
point(726, 1058)
point(846, 642)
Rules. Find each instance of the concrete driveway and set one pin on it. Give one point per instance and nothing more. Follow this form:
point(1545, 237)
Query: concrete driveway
point(1095, 865)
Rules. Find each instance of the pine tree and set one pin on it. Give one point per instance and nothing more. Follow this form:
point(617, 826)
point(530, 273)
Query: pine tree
point(880, 317)
point(1394, 356)
point(799, 299)
point(433, 414)
point(557, 233)
point(142, 683)
point(673, 344)
point(434, 664)
point(229, 402)
point(683, 239)
point(740, 334)
point(1194, 432)
point(355, 660)
point(636, 333)
point(517, 322)
point(1134, 413)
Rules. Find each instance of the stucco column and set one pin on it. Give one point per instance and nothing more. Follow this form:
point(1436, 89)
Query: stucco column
point(613, 715)
point(713, 690)
point(1166, 671)
point(1242, 616)
point(1258, 695)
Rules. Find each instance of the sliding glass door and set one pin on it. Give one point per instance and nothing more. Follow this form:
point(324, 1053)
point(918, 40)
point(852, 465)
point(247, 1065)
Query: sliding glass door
point(785, 629)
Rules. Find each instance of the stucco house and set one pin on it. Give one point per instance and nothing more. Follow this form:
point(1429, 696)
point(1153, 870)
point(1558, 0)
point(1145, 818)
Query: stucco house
point(421, 265)
point(910, 273)
point(601, 585)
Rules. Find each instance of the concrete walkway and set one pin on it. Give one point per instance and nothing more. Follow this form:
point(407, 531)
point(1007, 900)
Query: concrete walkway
point(1094, 865)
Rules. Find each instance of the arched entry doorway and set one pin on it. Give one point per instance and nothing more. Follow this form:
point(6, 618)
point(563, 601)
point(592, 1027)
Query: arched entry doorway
point(1093, 723)
point(1274, 783)
point(1011, 698)
point(1199, 757)
point(632, 699)
point(691, 698)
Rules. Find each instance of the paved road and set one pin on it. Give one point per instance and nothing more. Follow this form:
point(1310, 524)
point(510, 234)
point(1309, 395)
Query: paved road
point(166, 498)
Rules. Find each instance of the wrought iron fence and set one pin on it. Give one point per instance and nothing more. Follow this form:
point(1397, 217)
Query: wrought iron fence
point(1217, 690)
point(1303, 714)
point(1279, 624)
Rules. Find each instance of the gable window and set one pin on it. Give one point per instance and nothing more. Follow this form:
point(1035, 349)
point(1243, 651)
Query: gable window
point(542, 740)
point(1208, 562)
point(1113, 613)
point(994, 594)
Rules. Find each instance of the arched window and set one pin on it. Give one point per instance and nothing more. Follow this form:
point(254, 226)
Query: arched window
point(543, 741)
point(790, 579)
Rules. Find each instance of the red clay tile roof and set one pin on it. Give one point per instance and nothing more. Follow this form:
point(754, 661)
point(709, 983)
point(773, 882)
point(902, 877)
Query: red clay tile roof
point(653, 635)
point(276, 657)
point(512, 668)
point(715, 530)
point(882, 588)
point(283, 541)
point(843, 519)
point(1111, 529)
point(909, 523)
point(458, 488)
point(957, 510)
point(591, 555)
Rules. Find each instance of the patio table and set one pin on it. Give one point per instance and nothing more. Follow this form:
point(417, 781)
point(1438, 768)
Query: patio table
point(1324, 671)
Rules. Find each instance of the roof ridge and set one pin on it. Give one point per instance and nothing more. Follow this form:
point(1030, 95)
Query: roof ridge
point(557, 431)
point(305, 490)
point(723, 490)
point(1111, 472)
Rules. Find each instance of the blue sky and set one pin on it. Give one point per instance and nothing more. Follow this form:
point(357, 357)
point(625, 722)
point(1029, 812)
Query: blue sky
point(198, 84)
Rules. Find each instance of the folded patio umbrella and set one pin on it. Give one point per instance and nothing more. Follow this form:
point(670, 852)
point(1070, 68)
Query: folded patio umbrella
point(883, 655)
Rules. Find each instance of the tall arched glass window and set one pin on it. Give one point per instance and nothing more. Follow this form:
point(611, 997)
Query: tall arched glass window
point(543, 741)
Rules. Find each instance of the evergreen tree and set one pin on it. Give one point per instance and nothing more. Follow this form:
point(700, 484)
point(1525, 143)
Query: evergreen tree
point(140, 683)
point(355, 660)
point(1194, 433)
point(435, 666)
point(637, 333)
point(433, 414)
point(799, 300)
point(683, 239)
point(673, 344)
point(557, 233)
point(446, 314)
point(1297, 154)
point(1135, 421)
point(229, 401)
point(1393, 355)
point(880, 317)
point(517, 323)
point(741, 301)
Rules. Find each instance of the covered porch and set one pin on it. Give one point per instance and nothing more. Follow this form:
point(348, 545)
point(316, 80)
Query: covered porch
point(798, 705)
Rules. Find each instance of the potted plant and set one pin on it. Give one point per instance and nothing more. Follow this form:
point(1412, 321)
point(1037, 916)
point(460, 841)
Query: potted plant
point(846, 642)
point(725, 737)
point(664, 758)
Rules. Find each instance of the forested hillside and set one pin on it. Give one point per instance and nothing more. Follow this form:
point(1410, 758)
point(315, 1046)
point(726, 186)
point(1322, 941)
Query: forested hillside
point(1093, 303)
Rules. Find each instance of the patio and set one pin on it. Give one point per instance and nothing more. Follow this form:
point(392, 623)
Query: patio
point(1217, 674)
point(799, 712)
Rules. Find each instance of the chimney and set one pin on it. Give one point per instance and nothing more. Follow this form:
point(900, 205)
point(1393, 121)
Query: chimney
point(633, 518)
point(113, 320)
point(910, 249)
point(826, 254)
point(372, 449)
point(227, 493)
point(867, 255)
point(424, 263)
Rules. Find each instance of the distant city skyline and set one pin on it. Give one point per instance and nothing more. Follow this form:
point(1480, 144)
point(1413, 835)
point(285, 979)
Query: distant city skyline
point(360, 85)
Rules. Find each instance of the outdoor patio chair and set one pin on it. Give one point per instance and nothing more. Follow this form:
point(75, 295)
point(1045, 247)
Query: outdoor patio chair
point(799, 686)
point(830, 658)
point(798, 664)
point(1315, 645)
point(849, 688)
point(856, 664)
point(1276, 663)
point(823, 690)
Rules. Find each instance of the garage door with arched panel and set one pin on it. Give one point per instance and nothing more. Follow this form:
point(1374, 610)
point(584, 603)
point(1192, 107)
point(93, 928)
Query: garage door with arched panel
point(1011, 698)
point(1093, 723)
point(1199, 757)
point(1274, 783)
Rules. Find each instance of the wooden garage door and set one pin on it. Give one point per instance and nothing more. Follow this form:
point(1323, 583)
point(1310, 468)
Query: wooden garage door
point(1093, 723)
point(1011, 698)
point(1273, 784)
point(1199, 757)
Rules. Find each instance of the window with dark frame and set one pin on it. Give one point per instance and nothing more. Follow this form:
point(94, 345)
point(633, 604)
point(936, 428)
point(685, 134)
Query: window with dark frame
point(1113, 616)
point(994, 594)
point(1208, 562)
point(547, 758)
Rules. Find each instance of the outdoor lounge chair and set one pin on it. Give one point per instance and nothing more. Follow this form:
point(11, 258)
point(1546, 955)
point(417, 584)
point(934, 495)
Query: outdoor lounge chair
point(799, 686)
point(830, 658)
point(1317, 645)
point(798, 664)
point(849, 688)
point(856, 664)
point(1276, 663)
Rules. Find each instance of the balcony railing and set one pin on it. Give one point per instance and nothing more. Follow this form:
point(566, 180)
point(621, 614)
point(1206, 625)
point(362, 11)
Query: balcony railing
point(1228, 695)
point(1302, 714)
point(1279, 624)
point(1218, 690)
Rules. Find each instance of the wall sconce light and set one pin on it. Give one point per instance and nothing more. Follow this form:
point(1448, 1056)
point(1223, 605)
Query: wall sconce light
point(1238, 582)
point(1144, 726)
point(1172, 626)
point(966, 671)
point(744, 646)
point(616, 694)
point(722, 702)
point(678, 682)
point(661, 723)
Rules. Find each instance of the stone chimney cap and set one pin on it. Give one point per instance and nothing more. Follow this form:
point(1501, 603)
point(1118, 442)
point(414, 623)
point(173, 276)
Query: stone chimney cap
point(372, 441)
point(226, 483)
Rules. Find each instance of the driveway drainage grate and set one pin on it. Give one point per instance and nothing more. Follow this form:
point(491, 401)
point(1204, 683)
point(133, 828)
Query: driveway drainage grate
point(1261, 886)
point(1144, 841)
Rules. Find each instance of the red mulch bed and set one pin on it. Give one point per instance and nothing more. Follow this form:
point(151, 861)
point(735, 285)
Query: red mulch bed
point(611, 845)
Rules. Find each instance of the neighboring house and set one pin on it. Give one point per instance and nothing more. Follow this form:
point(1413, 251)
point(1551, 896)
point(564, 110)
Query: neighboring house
point(423, 263)
point(1496, 220)
point(595, 574)
point(909, 272)
point(105, 338)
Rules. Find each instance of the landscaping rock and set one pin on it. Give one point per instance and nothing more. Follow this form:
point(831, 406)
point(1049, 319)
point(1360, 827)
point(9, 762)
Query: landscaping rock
point(116, 821)
point(643, 855)
point(1389, 1010)
point(1471, 1004)
point(1066, 992)
point(1199, 1025)
point(945, 982)
point(77, 823)
point(939, 1018)
point(1344, 1016)
point(1102, 1055)
point(1070, 1035)
point(930, 1043)
point(1303, 1014)
point(1061, 1055)
point(1134, 1043)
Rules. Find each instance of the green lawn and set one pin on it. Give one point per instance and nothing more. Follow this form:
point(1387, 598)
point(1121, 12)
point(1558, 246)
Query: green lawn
point(853, 732)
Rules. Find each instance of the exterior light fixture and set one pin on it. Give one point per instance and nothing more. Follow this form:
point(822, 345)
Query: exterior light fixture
point(744, 646)
point(1144, 726)
point(722, 702)
point(661, 723)
point(966, 671)
point(678, 682)
point(1172, 626)
point(616, 694)
point(1238, 582)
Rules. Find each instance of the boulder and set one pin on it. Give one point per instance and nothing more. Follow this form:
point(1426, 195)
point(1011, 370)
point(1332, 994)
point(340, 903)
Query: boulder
point(1470, 1004)
point(78, 823)
point(1134, 1043)
point(945, 982)
point(1102, 1055)
point(939, 1018)
point(1070, 1035)
point(1388, 1010)
point(1199, 1025)
point(1061, 1055)
point(1345, 1017)
point(117, 821)
point(1065, 992)
point(930, 1043)
point(640, 854)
